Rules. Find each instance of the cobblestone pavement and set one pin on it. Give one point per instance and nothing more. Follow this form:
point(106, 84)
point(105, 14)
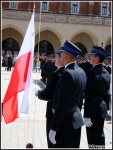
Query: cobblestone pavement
point(31, 128)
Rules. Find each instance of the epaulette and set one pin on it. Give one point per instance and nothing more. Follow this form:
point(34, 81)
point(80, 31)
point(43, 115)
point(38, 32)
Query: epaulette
point(107, 91)
point(55, 70)
point(66, 69)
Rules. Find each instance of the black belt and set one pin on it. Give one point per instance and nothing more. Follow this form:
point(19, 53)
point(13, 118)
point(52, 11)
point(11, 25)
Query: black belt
point(97, 98)
point(68, 110)
point(72, 109)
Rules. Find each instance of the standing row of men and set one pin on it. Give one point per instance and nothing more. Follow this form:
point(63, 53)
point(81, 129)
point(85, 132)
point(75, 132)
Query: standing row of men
point(9, 61)
point(48, 65)
point(64, 93)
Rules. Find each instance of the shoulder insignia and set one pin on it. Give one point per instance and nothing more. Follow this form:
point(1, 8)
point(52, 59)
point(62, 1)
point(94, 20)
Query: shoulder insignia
point(66, 69)
point(107, 91)
point(56, 70)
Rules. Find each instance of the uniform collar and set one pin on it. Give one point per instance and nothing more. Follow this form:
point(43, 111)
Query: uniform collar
point(107, 65)
point(98, 64)
point(60, 67)
point(70, 63)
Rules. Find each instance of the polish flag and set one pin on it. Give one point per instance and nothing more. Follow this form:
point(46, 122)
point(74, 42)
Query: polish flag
point(16, 99)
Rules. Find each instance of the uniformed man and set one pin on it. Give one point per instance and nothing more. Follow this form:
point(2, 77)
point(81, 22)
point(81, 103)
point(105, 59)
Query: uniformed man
point(45, 70)
point(42, 68)
point(95, 108)
point(78, 60)
point(6, 61)
point(48, 92)
point(81, 64)
point(107, 62)
point(52, 65)
point(66, 114)
point(48, 68)
point(10, 62)
point(87, 65)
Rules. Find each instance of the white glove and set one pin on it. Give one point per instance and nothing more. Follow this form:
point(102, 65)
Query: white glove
point(87, 122)
point(36, 89)
point(52, 135)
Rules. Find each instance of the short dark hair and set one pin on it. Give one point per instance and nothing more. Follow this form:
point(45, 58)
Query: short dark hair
point(71, 55)
point(29, 145)
point(101, 58)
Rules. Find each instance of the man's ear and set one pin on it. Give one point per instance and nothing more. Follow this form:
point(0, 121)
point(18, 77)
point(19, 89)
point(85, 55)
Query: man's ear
point(66, 55)
point(97, 58)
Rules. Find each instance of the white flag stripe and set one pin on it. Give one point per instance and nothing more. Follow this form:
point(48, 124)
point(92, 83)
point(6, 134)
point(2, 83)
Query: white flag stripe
point(27, 44)
point(20, 98)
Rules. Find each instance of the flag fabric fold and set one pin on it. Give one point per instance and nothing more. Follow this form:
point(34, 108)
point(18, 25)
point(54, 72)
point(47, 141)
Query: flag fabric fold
point(16, 99)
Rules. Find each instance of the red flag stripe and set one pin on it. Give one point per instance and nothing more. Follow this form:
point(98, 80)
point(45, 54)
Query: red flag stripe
point(19, 76)
point(10, 109)
point(17, 84)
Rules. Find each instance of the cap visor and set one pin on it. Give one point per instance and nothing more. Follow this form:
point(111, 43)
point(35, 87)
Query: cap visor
point(91, 53)
point(62, 50)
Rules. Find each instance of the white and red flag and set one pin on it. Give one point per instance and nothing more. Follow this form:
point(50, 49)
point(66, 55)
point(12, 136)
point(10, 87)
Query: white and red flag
point(16, 99)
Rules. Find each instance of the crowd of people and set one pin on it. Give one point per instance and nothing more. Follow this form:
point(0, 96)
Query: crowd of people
point(69, 79)
point(8, 61)
point(47, 65)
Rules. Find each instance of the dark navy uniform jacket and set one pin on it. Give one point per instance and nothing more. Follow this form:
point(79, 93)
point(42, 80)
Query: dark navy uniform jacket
point(108, 68)
point(48, 92)
point(81, 64)
point(98, 82)
point(68, 93)
point(52, 68)
point(87, 66)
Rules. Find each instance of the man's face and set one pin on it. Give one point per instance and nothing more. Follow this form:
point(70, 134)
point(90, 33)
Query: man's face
point(82, 58)
point(86, 57)
point(78, 60)
point(63, 56)
point(93, 59)
point(57, 60)
point(106, 62)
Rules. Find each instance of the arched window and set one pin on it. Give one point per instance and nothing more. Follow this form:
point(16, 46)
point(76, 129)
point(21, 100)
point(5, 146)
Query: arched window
point(44, 47)
point(82, 47)
point(11, 45)
point(108, 49)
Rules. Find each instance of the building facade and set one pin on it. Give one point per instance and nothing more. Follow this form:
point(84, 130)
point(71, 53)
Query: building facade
point(83, 23)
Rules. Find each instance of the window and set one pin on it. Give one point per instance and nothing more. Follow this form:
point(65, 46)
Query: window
point(44, 6)
point(104, 9)
point(13, 4)
point(44, 47)
point(10, 44)
point(74, 7)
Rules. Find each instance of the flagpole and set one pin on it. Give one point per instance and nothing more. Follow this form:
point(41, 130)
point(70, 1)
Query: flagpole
point(35, 97)
point(30, 145)
point(34, 21)
point(39, 28)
